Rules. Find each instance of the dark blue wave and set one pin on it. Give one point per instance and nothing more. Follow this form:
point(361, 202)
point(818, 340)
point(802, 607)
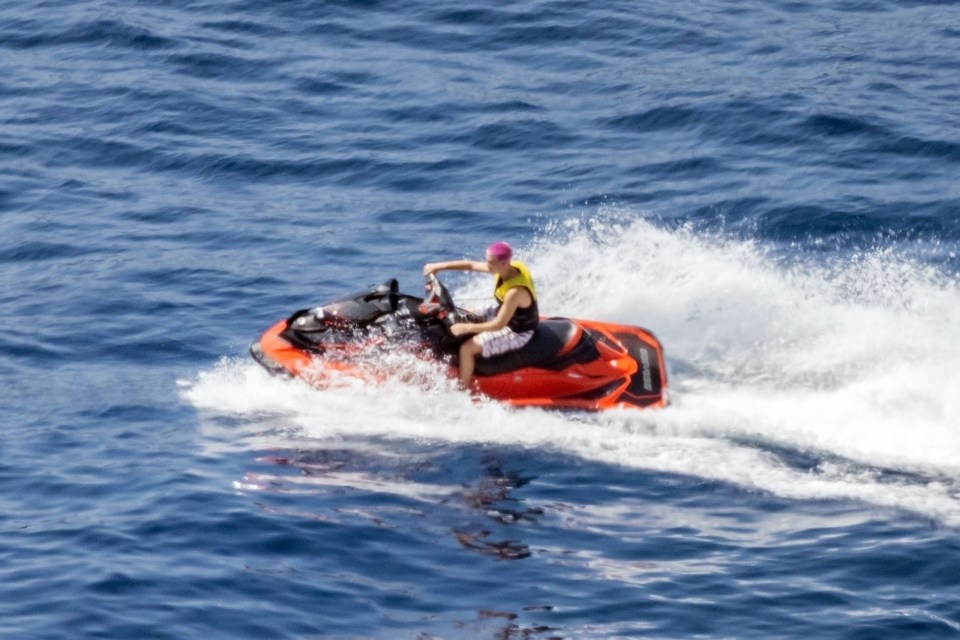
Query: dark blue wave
point(29, 34)
point(222, 66)
point(657, 119)
point(38, 250)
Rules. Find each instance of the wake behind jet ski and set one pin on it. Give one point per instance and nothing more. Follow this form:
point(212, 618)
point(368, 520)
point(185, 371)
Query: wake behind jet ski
point(569, 363)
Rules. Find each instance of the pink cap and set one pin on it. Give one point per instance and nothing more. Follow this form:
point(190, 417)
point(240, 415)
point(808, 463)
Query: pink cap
point(500, 251)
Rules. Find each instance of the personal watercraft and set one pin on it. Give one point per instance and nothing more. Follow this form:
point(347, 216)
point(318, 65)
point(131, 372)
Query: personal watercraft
point(569, 363)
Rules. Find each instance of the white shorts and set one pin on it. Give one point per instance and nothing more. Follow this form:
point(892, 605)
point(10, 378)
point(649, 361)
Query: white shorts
point(494, 343)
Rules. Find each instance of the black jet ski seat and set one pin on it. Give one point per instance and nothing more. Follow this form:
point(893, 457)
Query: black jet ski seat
point(556, 343)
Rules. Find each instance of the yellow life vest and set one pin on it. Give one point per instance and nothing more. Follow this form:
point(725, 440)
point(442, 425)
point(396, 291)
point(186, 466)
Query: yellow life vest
point(522, 279)
point(524, 319)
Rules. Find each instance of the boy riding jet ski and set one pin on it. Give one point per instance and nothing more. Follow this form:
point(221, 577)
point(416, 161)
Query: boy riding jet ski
point(547, 362)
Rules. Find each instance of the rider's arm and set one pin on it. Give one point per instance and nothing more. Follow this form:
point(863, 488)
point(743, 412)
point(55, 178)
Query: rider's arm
point(455, 265)
point(510, 303)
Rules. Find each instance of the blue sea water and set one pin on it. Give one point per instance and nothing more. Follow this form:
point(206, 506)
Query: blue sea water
point(771, 187)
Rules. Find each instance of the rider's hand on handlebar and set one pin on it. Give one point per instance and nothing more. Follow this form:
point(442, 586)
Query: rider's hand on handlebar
point(461, 328)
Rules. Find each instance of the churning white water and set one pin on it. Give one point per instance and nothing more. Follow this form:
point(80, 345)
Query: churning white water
point(851, 360)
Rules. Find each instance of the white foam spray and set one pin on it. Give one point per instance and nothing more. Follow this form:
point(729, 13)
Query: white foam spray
point(849, 363)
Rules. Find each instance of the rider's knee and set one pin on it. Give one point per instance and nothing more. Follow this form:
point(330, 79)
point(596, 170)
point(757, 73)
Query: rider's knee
point(471, 347)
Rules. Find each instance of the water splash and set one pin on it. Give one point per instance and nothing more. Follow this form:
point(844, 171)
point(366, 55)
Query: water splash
point(807, 376)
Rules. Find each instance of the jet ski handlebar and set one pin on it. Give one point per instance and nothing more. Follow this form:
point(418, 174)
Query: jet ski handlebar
point(438, 302)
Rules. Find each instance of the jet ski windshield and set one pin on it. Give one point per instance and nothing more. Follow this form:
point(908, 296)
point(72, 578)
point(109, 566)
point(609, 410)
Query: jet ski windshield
point(358, 309)
point(340, 320)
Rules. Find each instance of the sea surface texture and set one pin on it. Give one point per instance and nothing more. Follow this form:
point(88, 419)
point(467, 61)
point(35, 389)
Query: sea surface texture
point(770, 186)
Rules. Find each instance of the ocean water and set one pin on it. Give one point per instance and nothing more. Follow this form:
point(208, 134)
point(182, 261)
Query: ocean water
point(770, 187)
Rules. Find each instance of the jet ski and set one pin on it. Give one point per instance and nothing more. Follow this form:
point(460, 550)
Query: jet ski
point(568, 364)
